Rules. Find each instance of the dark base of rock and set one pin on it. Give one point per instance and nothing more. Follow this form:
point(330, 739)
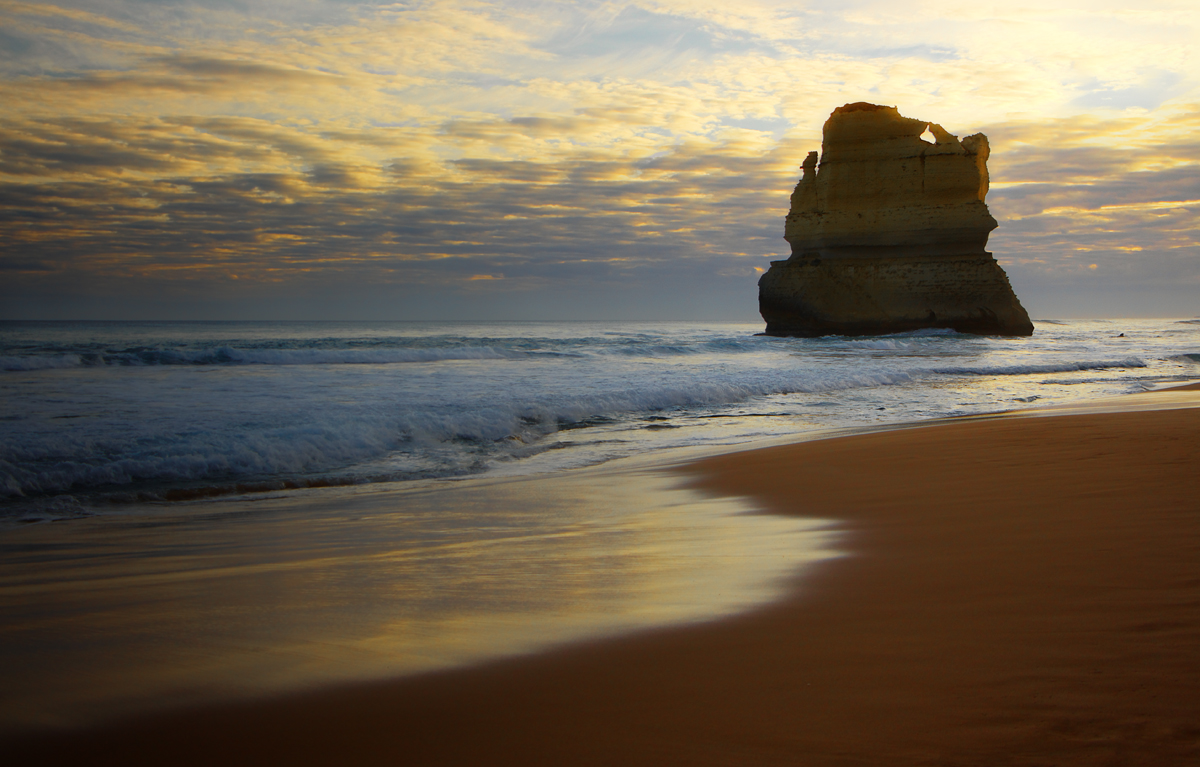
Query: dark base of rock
point(876, 296)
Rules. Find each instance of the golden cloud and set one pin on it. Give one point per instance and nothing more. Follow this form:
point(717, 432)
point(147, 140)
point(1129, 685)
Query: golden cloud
point(454, 143)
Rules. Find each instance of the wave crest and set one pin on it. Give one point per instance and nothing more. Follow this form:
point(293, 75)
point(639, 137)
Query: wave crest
point(228, 355)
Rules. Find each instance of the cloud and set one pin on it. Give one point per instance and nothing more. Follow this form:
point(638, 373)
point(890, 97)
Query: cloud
point(436, 150)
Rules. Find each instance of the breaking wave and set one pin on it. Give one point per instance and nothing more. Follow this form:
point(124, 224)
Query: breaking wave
point(1049, 367)
point(47, 362)
point(459, 439)
point(186, 411)
point(424, 443)
point(227, 355)
point(448, 350)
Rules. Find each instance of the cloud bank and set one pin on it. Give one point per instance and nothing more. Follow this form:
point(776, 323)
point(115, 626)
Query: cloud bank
point(525, 160)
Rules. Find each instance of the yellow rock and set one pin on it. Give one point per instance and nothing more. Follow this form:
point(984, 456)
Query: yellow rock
point(888, 234)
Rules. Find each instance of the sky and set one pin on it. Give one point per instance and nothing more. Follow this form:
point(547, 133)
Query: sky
point(511, 160)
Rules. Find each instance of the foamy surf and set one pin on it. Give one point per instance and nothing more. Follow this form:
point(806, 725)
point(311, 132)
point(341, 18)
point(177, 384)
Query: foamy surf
point(126, 412)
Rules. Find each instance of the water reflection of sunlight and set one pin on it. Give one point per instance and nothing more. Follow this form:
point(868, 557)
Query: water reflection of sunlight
point(153, 608)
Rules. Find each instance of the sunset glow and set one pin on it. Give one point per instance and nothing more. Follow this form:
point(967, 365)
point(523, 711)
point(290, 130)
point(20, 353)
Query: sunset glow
point(521, 160)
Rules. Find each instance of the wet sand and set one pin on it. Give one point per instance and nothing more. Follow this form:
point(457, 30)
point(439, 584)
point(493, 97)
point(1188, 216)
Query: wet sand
point(1015, 591)
point(150, 607)
point(1182, 387)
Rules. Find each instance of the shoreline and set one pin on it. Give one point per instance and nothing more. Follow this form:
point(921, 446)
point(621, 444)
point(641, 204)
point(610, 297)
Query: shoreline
point(1019, 590)
point(155, 609)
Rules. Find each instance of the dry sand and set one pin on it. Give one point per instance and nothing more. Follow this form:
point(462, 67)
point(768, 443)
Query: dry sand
point(1016, 591)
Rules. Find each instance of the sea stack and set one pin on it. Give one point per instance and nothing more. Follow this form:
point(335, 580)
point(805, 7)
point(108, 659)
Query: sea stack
point(888, 234)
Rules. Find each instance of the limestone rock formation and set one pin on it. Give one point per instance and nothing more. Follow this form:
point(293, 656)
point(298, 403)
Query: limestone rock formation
point(888, 234)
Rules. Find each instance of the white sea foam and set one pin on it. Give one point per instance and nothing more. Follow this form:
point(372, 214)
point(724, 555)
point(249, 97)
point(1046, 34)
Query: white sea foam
point(144, 409)
point(1049, 367)
point(226, 355)
point(882, 344)
point(49, 362)
point(62, 460)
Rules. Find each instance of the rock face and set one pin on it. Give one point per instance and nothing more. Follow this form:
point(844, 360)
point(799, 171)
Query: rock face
point(889, 234)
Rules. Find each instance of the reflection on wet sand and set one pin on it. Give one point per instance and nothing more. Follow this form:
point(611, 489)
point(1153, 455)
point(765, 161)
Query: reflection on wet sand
point(173, 605)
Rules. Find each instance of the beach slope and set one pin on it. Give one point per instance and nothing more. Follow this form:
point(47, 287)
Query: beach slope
point(1015, 591)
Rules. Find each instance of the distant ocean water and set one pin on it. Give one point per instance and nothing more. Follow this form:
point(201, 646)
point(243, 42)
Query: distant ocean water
point(93, 413)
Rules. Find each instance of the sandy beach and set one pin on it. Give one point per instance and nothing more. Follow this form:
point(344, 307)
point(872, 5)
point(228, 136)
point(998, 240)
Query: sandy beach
point(1015, 591)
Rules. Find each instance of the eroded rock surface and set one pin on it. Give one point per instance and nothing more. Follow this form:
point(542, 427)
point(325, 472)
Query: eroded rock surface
point(889, 234)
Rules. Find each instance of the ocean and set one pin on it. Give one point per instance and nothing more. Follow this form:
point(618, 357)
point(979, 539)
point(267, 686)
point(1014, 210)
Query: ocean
point(197, 512)
point(94, 414)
